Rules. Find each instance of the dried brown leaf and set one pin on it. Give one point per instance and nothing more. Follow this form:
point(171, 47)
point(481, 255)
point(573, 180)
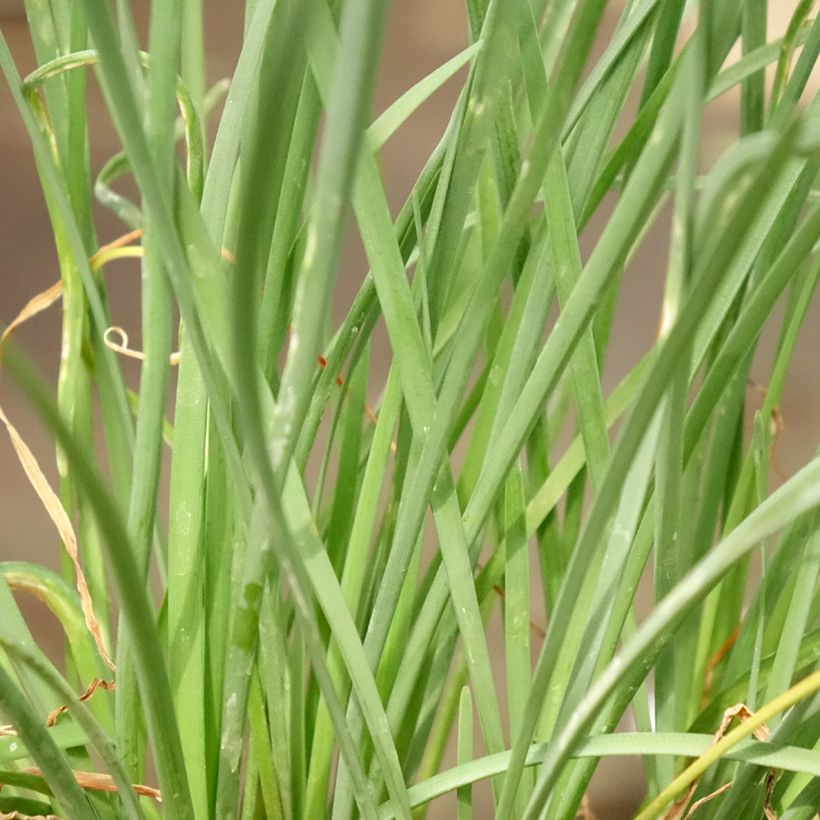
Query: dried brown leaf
point(695, 806)
point(95, 781)
point(59, 517)
point(96, 683)
point(37, 304)
point(741, 712)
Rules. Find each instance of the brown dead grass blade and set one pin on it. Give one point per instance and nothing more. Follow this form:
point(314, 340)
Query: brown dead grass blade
point(61, 521)
point(94, 781)
point(704, 800)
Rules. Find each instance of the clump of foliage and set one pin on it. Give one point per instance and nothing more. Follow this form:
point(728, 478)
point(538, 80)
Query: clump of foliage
point(286, 646)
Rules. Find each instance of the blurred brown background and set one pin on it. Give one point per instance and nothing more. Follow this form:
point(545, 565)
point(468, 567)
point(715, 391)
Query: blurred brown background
point(421, 35)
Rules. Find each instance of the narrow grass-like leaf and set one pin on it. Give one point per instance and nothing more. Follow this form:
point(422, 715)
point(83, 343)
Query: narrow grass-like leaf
point(464, 796)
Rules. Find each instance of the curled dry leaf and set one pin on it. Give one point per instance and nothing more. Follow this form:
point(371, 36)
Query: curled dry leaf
point(742, 713)
point(96, 683)
point(59, 517)
point(771, 778)
point(116, 339)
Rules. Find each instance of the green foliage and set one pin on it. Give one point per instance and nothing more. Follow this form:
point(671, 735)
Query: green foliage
point(314, 641)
